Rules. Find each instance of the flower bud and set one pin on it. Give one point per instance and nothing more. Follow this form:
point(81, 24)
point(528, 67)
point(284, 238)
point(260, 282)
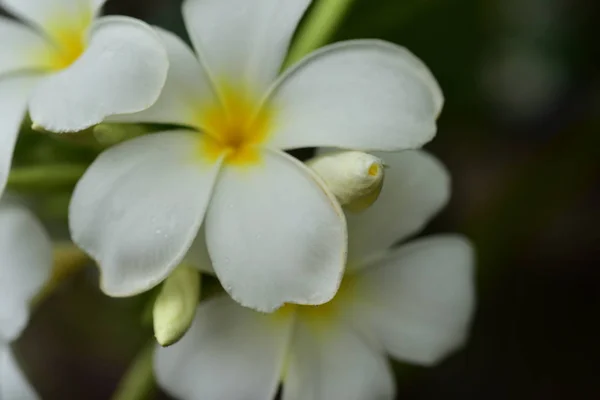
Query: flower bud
point(175, 306)
point(354, 177)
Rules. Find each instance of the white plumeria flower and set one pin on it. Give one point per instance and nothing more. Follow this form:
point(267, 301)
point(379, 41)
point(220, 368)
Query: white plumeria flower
point(72, 69)
point(274, 232)
point(413, 302)
point(25, 265)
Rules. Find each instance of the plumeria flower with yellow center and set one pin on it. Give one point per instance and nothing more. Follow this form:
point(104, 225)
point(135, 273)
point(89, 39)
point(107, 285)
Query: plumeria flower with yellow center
point(25, 266)
point(274, 232)
point(71, 68)
point(413, 302)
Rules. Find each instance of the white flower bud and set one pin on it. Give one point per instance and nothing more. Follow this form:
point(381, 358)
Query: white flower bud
point(354, 177)
point(176, 304)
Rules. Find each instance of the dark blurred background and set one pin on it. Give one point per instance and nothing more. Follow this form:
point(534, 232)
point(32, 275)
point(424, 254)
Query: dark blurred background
point(520, 133)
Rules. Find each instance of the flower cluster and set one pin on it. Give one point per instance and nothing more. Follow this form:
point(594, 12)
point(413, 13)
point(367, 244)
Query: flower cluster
point(316, 294)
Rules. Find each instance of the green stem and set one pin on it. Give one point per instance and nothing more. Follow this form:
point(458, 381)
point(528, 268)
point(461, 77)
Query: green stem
point(138, 382)
point(45, 176)
point(319, 27)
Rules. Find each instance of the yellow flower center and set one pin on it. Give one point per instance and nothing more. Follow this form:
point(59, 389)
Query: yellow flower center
point(69, 34)
point(71, 46)
point(322, 316)
point(234, 127)
point(319, 318)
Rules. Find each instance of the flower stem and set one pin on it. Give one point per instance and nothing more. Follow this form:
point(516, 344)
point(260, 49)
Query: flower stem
point(138, 382)
point(43, 177)
point(318, 28)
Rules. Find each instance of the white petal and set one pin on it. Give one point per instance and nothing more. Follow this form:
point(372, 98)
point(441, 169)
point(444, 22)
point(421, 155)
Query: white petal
point(335, 364)
point(275, 234)
point(139, 206)
point(418, 301)
point(187, 88)
point(25, 50)
point(97, 4)
point(13, 384)
point(46, 14)
point(122, 71)
point(14, 93)
point(198, 256)
point(25, 265)
point(363, 94)
point(230, 352)
point(243, 42)
point(416, 187)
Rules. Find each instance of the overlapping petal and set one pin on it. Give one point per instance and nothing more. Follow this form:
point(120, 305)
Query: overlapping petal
point(417, 302)
point(25, 265)
point(123, 70)
point(416, 187)
point(45, 14)
point(230, 352)
point(275, 234)
point(187, 88)
point(198, 256)
point(243, 42)
point(96, 4)
point(362, 94)
point(333, 363)
point(22, 48)
point(13, 384)
point(139, 207)
point(14, 93)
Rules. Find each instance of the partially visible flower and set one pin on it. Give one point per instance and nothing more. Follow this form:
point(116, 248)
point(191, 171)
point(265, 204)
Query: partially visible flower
point(71, 68)
point(274, 231)
point(413, 302)
point(25, 265)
